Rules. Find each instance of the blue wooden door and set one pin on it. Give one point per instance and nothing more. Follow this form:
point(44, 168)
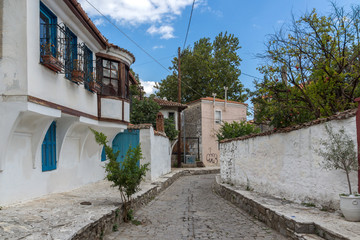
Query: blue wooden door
point(123, 141)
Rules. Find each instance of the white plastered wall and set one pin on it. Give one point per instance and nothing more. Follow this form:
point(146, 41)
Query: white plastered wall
point(286, 165)
point(46, 84)
point(156, 150)
point(78, 155)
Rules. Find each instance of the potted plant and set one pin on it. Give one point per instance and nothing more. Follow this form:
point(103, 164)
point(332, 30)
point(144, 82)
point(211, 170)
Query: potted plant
point(339, 152)
point(77, 75)
point(94, 85)
point(47, 58)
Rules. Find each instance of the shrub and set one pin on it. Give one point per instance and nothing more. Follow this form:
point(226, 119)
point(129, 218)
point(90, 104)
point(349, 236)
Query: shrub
point(235, 129)
point(170, 129)
point(126, 175)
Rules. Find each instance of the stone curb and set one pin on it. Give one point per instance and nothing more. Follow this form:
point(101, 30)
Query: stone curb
point(286, 226)
point(109, 222)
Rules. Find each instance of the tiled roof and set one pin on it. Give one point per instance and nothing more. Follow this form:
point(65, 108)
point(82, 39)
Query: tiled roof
point(216, 100)
point(140, 126)
point(79, 12)
point(166, 103)
point(122, 49)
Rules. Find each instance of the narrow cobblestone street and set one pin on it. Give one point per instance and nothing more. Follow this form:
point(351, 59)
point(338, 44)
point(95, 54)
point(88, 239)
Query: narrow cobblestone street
point(190, 210)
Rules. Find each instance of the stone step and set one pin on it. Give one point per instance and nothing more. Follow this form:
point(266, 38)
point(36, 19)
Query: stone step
point(303, 236)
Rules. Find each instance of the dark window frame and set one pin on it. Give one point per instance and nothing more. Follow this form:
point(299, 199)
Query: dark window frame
point(107, 90)
point(71, 52)
point(88, 67)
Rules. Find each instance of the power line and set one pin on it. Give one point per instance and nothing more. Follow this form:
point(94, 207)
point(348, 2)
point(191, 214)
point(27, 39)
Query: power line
point(250, 76)
point(158, 59)
point(142, 49)
point(187, 32)
point(139, 45)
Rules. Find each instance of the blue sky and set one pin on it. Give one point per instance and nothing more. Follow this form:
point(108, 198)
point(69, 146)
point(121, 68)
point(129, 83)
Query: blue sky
point(159, 27)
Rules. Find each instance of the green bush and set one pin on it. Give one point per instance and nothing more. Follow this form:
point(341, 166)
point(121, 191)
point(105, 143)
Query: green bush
point(126, 175)
point(236, 129)
point(170, 129)
point(144, 111)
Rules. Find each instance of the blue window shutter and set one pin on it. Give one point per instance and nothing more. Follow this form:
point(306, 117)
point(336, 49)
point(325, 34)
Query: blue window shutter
point(103, 155)
point(48, 28)
point(48, 149)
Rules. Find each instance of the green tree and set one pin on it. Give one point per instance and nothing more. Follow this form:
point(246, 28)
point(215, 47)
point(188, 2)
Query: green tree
point(235, 129)
point(207, 68)
point(338, 152)
point(125, 175)
point(313, 68)
point(144, 111)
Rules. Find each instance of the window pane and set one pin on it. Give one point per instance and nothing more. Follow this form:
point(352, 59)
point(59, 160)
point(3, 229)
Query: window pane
point(114, 74)
point(106, 63)
point(106, 81)
point(106, 72)
point(217, 116)
point(114, 65)
point(115, 84)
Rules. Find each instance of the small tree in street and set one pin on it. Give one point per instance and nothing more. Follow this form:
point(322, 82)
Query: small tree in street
point(126, 175)
point(338, 152)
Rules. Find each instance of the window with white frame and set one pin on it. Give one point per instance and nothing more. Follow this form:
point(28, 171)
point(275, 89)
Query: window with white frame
point(217, 116)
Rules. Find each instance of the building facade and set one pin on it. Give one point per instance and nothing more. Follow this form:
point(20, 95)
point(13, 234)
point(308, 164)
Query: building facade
point(203, 119)
point(59, 77)
point(170, 109)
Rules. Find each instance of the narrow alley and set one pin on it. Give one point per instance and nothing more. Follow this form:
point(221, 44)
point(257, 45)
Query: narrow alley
point(189, 209)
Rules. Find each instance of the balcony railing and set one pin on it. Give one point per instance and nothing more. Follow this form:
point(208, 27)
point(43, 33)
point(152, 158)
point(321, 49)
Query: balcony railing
point(53, 40)
point(91, 80)
point(60, 52)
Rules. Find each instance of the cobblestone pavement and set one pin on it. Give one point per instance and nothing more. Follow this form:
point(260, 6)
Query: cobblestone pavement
point(190, 210)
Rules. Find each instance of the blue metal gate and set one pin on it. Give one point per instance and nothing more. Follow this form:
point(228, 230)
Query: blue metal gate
point(123, 141)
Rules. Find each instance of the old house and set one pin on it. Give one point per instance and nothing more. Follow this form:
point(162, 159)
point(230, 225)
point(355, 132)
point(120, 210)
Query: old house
point(170, 109)
point(59, 76)
point(203, 118)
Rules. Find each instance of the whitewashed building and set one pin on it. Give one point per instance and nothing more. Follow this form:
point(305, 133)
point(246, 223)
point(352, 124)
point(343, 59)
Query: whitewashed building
point(58, 76)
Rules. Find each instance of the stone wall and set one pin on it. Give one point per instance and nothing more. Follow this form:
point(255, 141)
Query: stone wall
point(284, 163)
point(192, 117)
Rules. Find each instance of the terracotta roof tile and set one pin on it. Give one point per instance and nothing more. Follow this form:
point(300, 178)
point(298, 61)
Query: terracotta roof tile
point(140, 126)
point(166, 103)
point(339, 116)
point(79, 12)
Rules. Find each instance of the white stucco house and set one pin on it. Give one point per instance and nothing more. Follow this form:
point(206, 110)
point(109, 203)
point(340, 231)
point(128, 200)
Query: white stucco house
point(170, 109)
point(58, 76)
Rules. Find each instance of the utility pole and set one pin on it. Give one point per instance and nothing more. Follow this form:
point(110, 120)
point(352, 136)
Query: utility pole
point(179, 115)
point(225, 88)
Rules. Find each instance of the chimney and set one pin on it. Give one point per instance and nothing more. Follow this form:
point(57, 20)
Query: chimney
point(160, 122)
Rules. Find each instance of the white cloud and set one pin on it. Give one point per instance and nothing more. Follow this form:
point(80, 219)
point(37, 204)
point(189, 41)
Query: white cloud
point(99, 22)
point(148, 87)
point(166, 31)
point(159, 13)
point(158, 46)
point(280, 22)
point(256, 26)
